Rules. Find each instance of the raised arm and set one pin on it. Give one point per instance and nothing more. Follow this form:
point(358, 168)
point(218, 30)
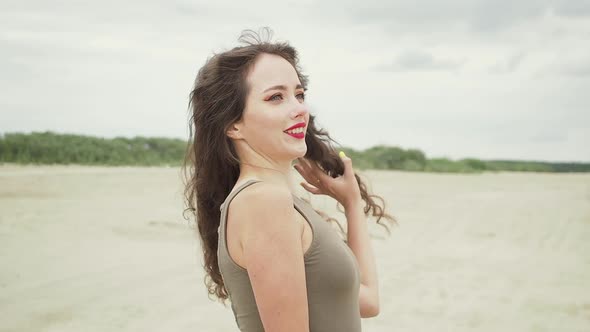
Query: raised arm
point(360, 244)
point(273, 256)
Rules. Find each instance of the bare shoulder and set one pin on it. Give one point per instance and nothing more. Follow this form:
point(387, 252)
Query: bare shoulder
point(261, 194)
point(262, 197)
point(256, 208)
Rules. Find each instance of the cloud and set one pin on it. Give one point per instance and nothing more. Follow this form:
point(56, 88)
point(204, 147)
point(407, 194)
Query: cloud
point(579, 69)
point(571, 8)
point(567, 66)
point(508, 65)
point(414, 60)
point(423, 15)
point(475, 15)
point(549, 136)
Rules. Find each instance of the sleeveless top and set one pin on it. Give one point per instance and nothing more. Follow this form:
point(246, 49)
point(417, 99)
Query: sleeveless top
point(331, 272)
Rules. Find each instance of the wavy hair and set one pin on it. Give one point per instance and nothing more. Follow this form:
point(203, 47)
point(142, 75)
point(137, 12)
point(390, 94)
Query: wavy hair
point(211, 164)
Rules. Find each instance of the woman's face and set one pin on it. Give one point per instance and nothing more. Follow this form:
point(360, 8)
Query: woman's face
point(274, 103)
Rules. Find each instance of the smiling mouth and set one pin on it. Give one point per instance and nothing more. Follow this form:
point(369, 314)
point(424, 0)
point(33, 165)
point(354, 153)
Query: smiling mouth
point(299, 130)
point(298, 133)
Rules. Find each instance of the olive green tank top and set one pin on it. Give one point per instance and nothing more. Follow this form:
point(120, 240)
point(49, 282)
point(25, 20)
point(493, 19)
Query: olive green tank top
point(331, 272)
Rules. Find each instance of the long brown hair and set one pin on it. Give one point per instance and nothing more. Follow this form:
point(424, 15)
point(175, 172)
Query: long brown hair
point(211, 165)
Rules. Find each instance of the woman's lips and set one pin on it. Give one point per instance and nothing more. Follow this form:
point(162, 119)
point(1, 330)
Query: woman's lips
point(298, 125)
point(297, 135)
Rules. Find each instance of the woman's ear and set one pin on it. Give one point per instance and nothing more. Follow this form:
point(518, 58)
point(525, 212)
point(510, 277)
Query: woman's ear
point(233, 131)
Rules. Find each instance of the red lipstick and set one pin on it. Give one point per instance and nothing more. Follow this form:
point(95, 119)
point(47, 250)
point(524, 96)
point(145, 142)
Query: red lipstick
point(296, 135)
point(301, 124)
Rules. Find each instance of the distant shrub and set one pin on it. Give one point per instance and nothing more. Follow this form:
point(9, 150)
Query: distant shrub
point(52, 148)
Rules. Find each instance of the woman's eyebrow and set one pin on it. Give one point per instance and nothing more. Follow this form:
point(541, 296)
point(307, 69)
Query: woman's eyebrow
point(281, 87)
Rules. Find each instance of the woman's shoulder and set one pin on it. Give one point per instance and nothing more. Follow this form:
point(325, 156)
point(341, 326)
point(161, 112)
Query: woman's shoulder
point(253, 194)
point(261, 208)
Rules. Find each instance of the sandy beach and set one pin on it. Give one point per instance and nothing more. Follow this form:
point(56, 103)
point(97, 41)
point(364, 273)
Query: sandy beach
point(107, 249)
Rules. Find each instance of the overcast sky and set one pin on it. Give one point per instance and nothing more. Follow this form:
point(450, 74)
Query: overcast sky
point(457, 78)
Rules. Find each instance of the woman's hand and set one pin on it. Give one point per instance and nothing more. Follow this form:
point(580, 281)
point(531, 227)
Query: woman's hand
point(343, 189)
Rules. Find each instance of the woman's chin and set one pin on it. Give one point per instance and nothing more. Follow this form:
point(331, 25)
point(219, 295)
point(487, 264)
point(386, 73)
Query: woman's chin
point(295, 151)
point(302, 151)
point(297, 154)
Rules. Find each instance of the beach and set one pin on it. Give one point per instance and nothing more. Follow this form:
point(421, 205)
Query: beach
point(107, 249)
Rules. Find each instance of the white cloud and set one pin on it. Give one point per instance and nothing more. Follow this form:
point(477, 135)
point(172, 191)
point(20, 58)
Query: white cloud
point(420, 60)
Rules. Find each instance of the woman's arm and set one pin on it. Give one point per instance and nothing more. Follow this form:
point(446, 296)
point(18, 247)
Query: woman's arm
point(359, 243)
point(345, 190)
point(271, 244)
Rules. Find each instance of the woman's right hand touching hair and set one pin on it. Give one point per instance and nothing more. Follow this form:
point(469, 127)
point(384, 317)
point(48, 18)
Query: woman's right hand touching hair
point(344, 189)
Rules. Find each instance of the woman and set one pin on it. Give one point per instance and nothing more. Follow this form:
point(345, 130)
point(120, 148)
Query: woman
point(281, 265)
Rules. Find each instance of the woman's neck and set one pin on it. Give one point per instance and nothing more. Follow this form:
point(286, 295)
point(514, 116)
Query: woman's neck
point(282, 176)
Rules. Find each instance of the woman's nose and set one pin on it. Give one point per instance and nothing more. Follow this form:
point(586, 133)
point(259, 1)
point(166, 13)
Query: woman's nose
point(300, 110)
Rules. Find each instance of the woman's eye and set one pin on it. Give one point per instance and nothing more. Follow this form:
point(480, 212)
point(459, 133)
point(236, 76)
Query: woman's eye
point(273, 97)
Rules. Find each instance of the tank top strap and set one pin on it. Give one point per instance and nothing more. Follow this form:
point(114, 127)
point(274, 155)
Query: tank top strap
point(236, 191)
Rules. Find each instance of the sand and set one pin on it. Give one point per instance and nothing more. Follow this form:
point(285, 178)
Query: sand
point(107, 249)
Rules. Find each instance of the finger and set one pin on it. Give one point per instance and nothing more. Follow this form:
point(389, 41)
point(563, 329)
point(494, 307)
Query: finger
point(311, 188)
point(317, 172)
point(305, 172)
point(313, 174)
point(304, 164)
point(298, 169)
point(348, 171)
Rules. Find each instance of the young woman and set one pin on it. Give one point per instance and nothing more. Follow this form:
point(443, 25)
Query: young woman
point(277, 260)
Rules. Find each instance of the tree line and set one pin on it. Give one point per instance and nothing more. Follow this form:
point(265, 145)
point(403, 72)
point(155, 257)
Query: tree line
point(53, 148)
